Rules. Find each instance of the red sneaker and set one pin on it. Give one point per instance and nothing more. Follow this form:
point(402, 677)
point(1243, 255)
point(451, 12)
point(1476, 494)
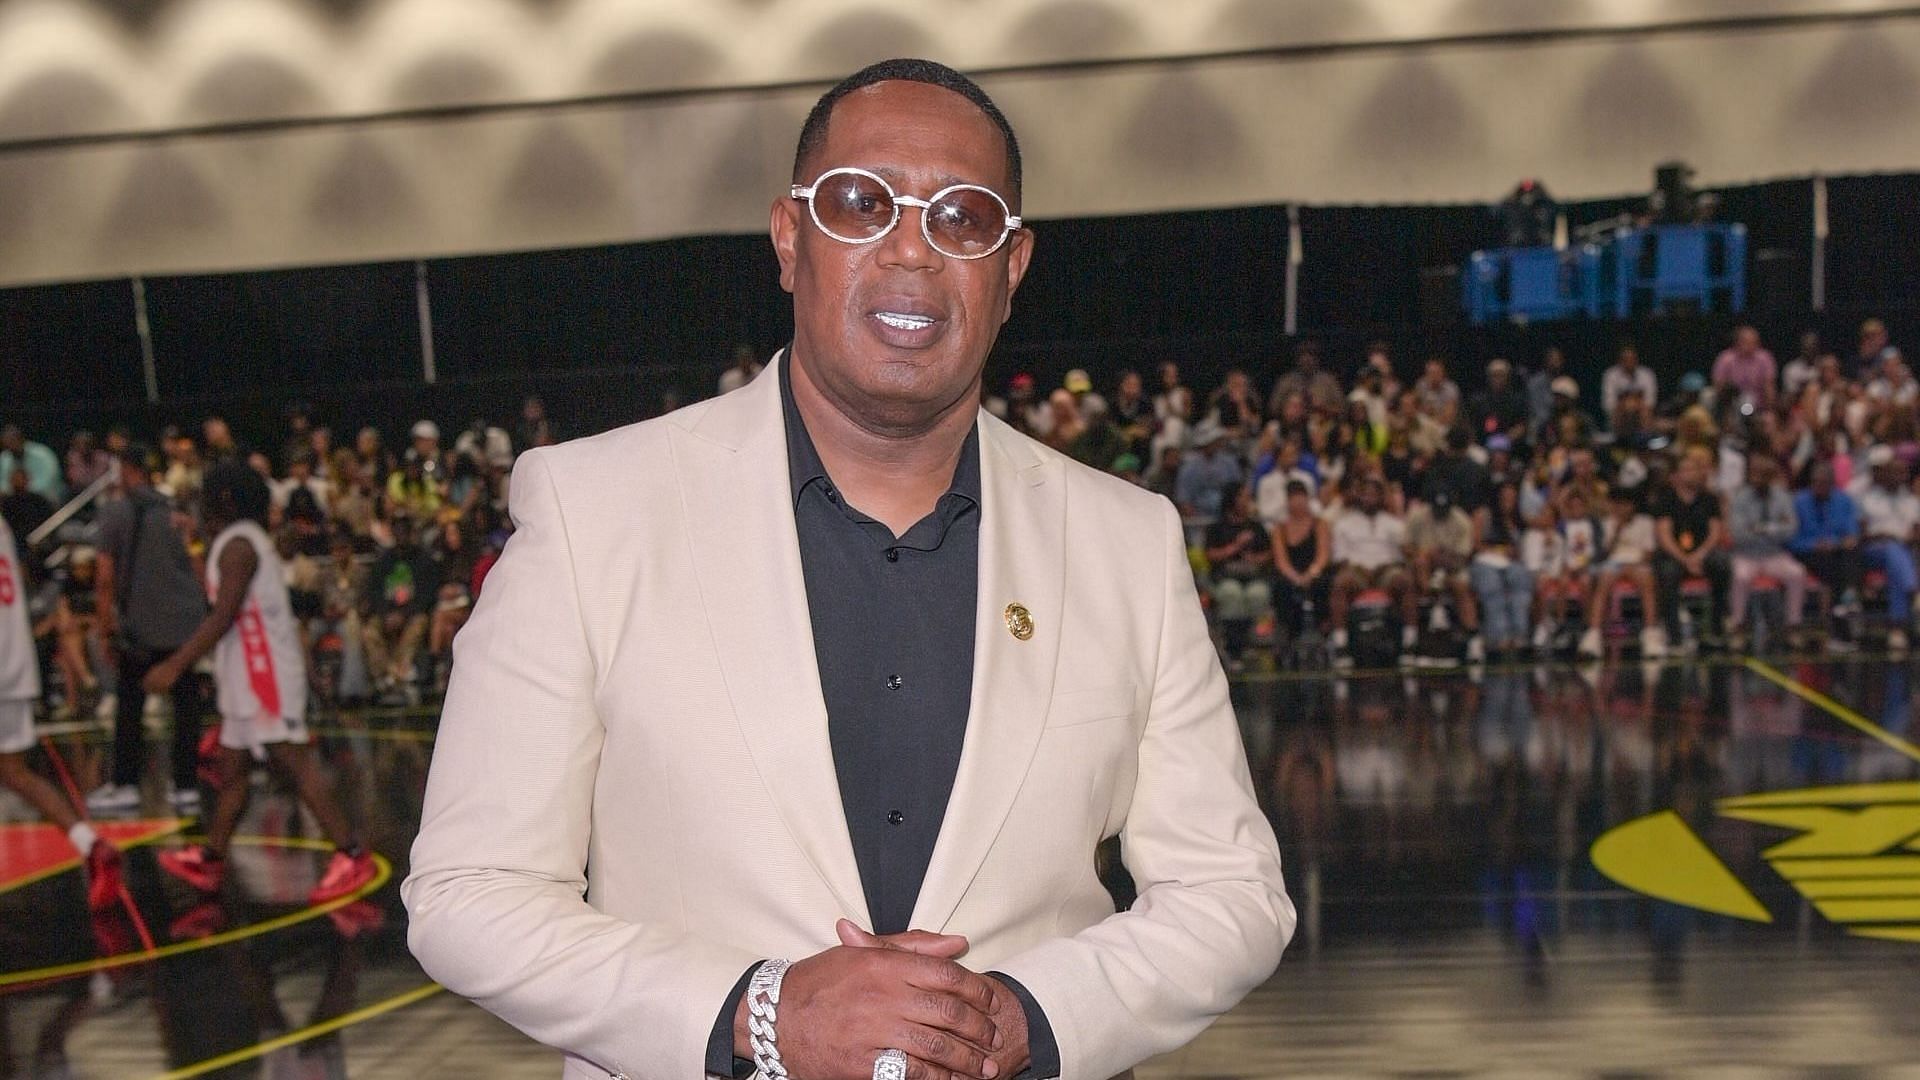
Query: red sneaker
point(195, 867)
point(104, 880)
point(345, 873)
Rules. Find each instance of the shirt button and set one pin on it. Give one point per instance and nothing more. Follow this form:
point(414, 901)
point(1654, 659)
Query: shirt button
point(893, 682)
point(833, 496)
point(895, 817)
point(893, 554)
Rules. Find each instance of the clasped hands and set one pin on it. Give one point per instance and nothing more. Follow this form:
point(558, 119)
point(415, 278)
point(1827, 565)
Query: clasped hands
point(839, 1009)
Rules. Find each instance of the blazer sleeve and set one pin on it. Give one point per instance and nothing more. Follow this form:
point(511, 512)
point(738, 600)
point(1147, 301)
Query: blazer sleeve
point(496, 896)
point(1213, 915)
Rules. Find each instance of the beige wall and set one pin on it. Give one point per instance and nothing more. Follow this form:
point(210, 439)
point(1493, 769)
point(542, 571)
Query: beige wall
point(1391, 116)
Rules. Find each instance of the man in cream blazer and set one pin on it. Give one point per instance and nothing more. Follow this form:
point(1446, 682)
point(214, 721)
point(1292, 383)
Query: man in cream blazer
point(634, 796)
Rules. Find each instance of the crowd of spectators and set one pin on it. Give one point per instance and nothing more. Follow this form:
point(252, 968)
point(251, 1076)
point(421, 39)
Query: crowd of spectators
point(1533, 515)
point(385, 546)
point(1530, 516)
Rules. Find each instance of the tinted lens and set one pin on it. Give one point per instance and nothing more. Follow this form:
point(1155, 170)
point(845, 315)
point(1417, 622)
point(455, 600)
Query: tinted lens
point(966, 222)
point(852, 207)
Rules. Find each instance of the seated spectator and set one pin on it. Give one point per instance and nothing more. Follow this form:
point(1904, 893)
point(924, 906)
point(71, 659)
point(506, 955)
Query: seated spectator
point(1163, 475)
point(1436, 396)
point(1501, 408)
point(1206, 472)
point(1569, 558)
point(41, 464)
point(1895, 384)
point(1064, 422)
point(76, 622)
point(1889, 514)
point(413, 491)
point(1240, 553)
point(1303, 544)
point(1583, 476)
point(403, 587)
point(86, 462)
point(1567, 425)
point(1543, 387)
point(1439, 547)
point(25, 510)
point(1744, 373)
point(301, 493)
point(1172, 412)
point(343, 594)
point(1078, 383)
point(1398, 465)
point(1544, 551)
point(1627, 554)
point(1235, 408)
point(1691, 535)
point(1363, 434)
point(1761, 521)
point(1132, 413)
point(1424, 436)
point(1465, 481)
point(1175, 399)
point(1271, 493)
point(1369, 552)
point(1500, 578)
point(1626, 375)
point(1826, 537)
point(1633, 422)
point(1098, 445)
point(1798, 373)
point(185, 468)
point(1310, 380)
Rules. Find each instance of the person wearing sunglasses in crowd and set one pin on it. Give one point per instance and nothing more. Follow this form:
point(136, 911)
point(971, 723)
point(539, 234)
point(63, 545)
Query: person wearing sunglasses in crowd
point(803, 770)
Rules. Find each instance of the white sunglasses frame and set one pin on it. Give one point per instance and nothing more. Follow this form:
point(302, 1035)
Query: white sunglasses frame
point(805, 194)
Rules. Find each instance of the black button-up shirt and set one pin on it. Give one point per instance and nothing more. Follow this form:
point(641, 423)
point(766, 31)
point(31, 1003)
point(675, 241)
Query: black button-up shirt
point(893, 621)
point(893, 625)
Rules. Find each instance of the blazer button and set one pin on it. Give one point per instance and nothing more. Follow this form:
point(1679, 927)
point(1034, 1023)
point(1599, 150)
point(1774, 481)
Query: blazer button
point(893, 682)
point(895, 817)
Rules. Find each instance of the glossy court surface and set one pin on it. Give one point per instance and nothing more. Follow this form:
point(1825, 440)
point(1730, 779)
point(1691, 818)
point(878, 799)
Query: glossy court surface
point(1702, 869)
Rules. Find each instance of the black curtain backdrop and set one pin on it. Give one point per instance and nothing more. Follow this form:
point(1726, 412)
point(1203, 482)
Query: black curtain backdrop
point(607, 334)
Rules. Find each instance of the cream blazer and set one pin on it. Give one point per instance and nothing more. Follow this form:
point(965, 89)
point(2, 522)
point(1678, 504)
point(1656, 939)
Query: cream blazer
point(633, 797)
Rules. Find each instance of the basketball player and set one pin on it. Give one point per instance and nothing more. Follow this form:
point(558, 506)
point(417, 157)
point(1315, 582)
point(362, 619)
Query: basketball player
point(261, 679)
point(19, 689)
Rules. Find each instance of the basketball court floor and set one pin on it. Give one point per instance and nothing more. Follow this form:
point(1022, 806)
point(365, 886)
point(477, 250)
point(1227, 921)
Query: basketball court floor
point(1699, 869)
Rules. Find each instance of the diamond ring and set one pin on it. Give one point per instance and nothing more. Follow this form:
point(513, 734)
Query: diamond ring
point(890, 1065)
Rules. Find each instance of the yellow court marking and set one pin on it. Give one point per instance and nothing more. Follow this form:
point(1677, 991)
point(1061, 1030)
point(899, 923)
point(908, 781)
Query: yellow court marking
point(1838, 711)
point(383, 872)
point(74, 863)
point(1878, 866)
point(1661, 856)
point(312, 1031)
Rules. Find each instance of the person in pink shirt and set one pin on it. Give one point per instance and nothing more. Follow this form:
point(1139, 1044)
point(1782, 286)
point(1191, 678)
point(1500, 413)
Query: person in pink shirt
point(1746, 369)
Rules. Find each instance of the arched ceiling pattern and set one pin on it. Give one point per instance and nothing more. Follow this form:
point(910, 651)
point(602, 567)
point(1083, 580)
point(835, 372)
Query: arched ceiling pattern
point(1123, 105)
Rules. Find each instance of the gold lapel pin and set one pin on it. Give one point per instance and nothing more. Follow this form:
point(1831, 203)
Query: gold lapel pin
point(1019, 621)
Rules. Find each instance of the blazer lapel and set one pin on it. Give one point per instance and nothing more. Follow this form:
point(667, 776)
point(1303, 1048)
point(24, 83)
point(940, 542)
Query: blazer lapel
point(1022, 553)
point(732, 465)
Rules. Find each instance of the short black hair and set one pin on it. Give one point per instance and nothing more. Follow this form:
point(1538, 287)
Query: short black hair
point(231, 486)
point(813, 134)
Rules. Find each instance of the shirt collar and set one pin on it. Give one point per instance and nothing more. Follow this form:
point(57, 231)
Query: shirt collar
point(804, 466)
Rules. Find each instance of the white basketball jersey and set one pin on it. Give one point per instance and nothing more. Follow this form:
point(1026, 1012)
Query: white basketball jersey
point(19, 664)
point(257, 666)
